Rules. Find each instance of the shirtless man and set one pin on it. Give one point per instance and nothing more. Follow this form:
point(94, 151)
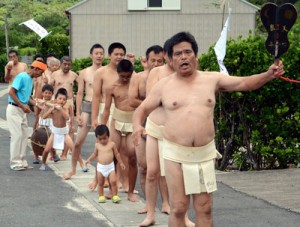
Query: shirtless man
point(137, 93)
point(65, 78)
point(188, 96)
point(13, 67)
point(121, 123)
point(155, 164)
point(85, 86)
point(104, 77)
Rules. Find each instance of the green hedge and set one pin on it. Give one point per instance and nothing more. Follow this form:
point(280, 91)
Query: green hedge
point(261, 128)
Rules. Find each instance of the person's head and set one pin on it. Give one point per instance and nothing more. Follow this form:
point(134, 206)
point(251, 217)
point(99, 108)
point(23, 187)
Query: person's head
point(182, 51)
point(116, 52)
point(61, 96)
point(155, 56)
point(66, 64)
point(13, 56)
point(38, 57)
point(97, 54)
point(125, 70)
point(179, 38)
point(37, 68)
point(49, 55)
point(47, 92)
point(102, 134)
point(165, 47)
point(53, 64)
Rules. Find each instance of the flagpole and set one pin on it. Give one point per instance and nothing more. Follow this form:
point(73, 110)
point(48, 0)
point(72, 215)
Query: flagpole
point(6, 36)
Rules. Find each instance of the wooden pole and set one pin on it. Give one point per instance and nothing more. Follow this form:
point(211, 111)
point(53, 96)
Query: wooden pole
point(6, 36)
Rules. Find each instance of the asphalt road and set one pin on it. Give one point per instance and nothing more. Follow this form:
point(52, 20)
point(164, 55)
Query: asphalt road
point(29, 198)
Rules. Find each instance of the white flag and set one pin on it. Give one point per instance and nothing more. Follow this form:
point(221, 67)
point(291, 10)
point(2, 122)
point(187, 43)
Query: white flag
point(37, 28)
point(220, 47)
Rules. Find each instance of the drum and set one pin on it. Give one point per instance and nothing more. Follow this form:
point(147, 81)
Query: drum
point(39, 139)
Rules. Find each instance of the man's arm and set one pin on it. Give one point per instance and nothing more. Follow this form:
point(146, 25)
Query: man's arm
point(13, 95)
point(152, 101)
point(97, 91)
point(79, 97)
point(152, 79)
point(71, 116)
point(231, 83)
point(118, 156)
point(7, 69)
point(108, 101)
point(133, 91)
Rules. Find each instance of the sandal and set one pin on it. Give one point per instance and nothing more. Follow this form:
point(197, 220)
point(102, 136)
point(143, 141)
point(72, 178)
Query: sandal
point(18, 168)
point(44, 168)
point(115, 199)
point(102, 199)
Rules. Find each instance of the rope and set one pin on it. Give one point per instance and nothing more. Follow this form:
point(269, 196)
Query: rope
point(39, 144)
point(289, 80)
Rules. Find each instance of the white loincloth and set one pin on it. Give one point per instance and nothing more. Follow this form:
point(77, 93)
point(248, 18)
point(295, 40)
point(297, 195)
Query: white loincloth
point(197, 163)
point(59, 137)
point(156, 131)
point(123, 121)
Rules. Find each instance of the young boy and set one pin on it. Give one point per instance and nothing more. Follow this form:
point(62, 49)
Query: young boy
point(106, 151)
point(60, 113)
point(42, 108)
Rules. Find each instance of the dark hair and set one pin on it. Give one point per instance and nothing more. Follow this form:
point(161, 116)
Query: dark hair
point(95, 46)
point(61, 91)
point(38, 56)
point(166, 45)
point(13, 51)
point(65, 58)
point(155, 48)
point(125, 66)
point(116, 46)
point(182, 37)
point(101, 130)
point(47, 87)
point(50, 55)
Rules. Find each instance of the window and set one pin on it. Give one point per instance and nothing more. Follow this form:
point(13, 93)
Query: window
point(144, 5)
point(154, 3)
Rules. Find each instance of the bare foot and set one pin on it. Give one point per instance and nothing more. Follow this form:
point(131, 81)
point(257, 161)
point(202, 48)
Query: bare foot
point(149, 220)
point(165, 208)
point(142, 211)
point(68, 175)
point(63, 158)
point(132, 197)
point(126, 191)
point(92, 185)
point(108, 195)
point(188, 222)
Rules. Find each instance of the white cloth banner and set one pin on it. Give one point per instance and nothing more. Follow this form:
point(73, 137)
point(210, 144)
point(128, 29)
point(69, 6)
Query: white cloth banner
point(37, 28)
point(220, 47)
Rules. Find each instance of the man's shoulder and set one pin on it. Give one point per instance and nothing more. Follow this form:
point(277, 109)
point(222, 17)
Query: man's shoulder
point(73, 73)
point(23, 64)
point(57, 72)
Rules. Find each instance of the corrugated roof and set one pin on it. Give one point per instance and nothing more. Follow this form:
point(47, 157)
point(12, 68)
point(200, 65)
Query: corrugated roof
point(77, 5)
point(250, 4)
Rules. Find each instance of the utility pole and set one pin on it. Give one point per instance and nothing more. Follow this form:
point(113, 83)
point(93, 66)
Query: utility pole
point(6, 36)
